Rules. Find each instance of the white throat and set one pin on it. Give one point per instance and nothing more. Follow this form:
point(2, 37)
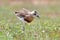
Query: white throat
point(32, 12)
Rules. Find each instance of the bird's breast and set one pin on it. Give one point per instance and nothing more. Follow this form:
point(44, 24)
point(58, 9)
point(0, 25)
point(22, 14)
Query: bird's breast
point(29, 19)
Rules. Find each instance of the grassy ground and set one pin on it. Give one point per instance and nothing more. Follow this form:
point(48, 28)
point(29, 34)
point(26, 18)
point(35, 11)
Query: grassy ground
point(45, 28)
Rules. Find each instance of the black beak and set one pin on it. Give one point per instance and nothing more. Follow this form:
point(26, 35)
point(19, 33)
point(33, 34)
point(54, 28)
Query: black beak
point(38, 16)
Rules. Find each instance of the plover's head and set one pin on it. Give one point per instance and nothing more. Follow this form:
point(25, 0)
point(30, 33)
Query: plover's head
point(35, 13)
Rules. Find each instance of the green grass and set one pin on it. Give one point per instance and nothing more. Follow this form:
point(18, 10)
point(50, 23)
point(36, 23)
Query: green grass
point(45, 28)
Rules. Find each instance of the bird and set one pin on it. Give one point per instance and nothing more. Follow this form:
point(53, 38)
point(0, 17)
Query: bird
point(26, 16)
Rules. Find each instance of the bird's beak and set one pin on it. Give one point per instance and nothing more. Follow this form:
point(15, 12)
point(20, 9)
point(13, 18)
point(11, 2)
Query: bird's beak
point(38, 16)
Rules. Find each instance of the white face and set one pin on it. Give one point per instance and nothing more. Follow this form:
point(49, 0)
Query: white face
point(35, 13)
point(32, 12)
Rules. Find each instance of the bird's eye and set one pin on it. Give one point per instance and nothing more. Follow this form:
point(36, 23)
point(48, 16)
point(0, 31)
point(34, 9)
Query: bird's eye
point(34, 13)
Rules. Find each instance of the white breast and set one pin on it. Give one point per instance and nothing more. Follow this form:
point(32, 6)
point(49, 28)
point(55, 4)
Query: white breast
point(22, 19)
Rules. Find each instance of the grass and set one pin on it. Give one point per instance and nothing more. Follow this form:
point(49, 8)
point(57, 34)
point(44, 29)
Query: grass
point(45, 28)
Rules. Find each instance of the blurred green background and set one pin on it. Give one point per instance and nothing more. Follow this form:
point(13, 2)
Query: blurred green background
point(45, 28)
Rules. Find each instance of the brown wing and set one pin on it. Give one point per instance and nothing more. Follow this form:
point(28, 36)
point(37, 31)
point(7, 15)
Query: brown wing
point(23, 12)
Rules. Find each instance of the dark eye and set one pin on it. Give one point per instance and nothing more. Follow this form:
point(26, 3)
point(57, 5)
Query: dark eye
point(34, 13)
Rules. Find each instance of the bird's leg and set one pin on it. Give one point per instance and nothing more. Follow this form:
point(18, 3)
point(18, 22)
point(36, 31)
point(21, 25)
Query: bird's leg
point(23, 30)
point(23, 27)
